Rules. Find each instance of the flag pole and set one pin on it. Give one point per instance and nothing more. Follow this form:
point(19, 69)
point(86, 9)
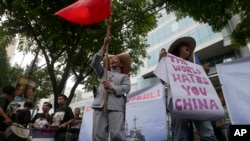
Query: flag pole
point(105, 106)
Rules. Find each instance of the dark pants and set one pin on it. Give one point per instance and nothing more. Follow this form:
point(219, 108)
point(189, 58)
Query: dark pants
point(14, 137)
point(219, 132)
point(60, 136)
point(2, 136)
point(72, 136)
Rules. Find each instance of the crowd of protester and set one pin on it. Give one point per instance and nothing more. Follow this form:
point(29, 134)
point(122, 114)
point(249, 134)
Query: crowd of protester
point(15, 115)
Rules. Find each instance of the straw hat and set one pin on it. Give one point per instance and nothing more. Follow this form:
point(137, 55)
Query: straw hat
point(187, 40)
point(125, 60)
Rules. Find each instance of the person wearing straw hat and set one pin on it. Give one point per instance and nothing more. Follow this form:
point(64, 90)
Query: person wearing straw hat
point(182, 128)
point(116, 85)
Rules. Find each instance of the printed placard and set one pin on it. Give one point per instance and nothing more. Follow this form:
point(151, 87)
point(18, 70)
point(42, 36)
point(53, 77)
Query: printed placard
point(193, 94)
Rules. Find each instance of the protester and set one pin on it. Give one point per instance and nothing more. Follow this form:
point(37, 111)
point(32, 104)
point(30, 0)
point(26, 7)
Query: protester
point(74, 128)
point(21, 119)
point(78, 119)
point(221, 127)
point(163, 53)
point(23, 115)
point(22, 97)
point(5, 98)
point(19, 90)
point(183, 48)
point(19, 94)
point(110, 122)
point(227, 121)
point(42, 120)
point(63, 117)
point(28, 93)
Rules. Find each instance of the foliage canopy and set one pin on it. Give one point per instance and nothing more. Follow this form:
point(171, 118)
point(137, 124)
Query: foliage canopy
point(68, 48)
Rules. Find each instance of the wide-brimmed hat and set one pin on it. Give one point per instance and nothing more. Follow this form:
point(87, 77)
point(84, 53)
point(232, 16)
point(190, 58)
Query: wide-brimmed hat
point(125, 60)
point(189, 41)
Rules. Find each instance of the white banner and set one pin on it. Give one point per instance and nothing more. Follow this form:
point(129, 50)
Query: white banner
point(235, 79)
point(193, 95)
point(145, 116)
point(87, 123)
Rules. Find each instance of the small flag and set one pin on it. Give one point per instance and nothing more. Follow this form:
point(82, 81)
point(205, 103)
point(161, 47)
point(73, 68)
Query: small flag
point(86, 12)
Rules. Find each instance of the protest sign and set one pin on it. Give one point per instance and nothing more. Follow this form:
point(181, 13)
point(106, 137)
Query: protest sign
point(161, 70)
point(193, 95)
point(146, 114)
point(235, 79)
point(87, 121)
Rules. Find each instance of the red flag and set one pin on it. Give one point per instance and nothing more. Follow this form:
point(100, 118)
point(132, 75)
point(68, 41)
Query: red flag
point(86, 11)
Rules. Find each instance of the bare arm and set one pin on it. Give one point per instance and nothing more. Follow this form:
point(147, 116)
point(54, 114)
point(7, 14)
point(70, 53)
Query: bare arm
point(65, 124)
point(77, 121)
point(7, 120)
point(206, 68)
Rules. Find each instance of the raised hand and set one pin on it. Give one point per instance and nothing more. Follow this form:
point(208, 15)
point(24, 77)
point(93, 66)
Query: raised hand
point(106, 42)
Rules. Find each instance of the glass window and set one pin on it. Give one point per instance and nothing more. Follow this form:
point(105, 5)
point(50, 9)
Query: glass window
point(212, 70)
point(195, 35)
point(150, 40)
point(167, 30)
point(203, 32)
point(150, 60)
point(190, 21)
point(161, 35)
point(219, 59)
point(182, 23)
point(175, 26)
